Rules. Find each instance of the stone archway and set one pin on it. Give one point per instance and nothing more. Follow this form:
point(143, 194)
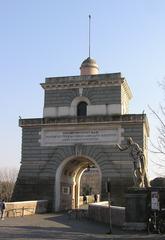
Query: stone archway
point(67, 181)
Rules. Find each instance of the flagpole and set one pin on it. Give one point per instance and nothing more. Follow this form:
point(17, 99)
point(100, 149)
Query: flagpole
point(89, 35)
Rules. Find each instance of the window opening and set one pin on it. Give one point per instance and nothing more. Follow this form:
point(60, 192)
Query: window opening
point(82, 109)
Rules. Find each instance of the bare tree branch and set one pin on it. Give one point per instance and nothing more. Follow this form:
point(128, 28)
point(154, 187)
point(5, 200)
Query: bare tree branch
point(158, 117)
point(159, 147)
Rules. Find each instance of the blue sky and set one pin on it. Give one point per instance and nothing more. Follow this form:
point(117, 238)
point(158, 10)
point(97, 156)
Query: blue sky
point(45, 38)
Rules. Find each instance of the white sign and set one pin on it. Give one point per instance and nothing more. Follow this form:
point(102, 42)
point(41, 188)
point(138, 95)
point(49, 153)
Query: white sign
point(50, 137)
point(155, 201)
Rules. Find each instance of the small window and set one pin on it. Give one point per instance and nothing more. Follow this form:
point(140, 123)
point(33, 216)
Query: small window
point(82, 109)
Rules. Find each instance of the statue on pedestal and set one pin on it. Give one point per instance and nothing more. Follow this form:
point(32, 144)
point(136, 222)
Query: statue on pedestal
point(139, 163)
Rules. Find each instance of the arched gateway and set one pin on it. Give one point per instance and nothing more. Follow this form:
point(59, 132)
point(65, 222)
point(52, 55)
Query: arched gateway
point(67, 182)
point(84, 118)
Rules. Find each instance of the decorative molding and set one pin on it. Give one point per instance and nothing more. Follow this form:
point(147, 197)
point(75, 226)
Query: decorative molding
point(78, 149)
point(79, 99)
point(90, 121)
point(82, 84)
point(99, 80)
point(80, 91)
point(126, 89)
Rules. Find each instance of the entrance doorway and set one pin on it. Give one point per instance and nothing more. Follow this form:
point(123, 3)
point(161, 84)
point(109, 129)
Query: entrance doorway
point(68, 177)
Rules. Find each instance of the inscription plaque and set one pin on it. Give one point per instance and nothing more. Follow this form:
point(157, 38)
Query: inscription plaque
point(50, 137)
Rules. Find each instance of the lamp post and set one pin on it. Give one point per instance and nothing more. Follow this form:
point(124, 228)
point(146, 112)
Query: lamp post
point(108, 189)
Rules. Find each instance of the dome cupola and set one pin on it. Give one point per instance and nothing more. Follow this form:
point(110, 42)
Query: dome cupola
point(89, 67)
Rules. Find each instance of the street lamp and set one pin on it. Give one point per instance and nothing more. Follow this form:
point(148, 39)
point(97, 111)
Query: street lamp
point(108, 190)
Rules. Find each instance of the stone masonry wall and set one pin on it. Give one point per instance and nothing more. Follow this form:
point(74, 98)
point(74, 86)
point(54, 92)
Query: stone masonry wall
point(36, 178)
point(97, 95)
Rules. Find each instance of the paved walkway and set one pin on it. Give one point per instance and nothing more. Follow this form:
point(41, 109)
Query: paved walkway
point(59, 226)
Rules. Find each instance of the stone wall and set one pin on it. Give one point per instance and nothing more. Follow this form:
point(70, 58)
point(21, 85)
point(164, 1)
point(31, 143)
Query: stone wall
point(96, 94)
point(60, 97)
point(44, 150)
point(100, 212)
point(108, 92)
point(36, 179)
point(15, 209)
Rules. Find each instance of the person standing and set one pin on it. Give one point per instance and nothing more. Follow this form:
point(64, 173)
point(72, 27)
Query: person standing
point(84, 199)
point(2, 209)
point(95, 197)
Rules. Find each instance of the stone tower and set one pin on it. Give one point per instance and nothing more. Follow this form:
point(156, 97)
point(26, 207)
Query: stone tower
point(84, 117)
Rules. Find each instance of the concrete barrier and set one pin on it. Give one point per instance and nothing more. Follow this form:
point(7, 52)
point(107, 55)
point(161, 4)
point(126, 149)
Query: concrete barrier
point(100, 212)
point(15, 209)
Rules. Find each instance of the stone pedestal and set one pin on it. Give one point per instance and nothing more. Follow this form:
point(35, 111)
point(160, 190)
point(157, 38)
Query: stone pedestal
point(136, 209)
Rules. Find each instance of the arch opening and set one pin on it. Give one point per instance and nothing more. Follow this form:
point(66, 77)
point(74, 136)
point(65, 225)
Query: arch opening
point(70, 184)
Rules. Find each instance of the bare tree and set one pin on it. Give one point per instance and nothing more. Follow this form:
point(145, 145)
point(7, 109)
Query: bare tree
point(8, 178)
point(158, 147)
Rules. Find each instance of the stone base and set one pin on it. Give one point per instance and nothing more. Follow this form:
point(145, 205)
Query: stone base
point(136, 206)
point(135, 226)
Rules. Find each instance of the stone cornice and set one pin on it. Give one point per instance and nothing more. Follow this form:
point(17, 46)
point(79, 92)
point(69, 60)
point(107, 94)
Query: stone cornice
point(84, 77)
point(100, 80)
point(127, 89)
point(115, 119)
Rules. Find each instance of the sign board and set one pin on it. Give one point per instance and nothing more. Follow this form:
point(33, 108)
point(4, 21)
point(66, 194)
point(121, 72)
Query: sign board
point(51, 137)
point(155, 201)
